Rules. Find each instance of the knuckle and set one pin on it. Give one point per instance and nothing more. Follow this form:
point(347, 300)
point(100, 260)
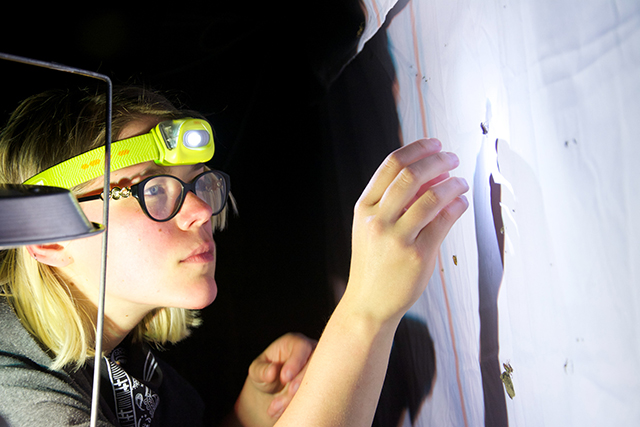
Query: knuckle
point(392, 164)
point(414, 254)
point(443, 194)
point(433, 197)
point(443, 159)
point(400, 243)
point(360, 208)
point(409, 176)
point(447, 215)
point(393, 161)
point(376, 226)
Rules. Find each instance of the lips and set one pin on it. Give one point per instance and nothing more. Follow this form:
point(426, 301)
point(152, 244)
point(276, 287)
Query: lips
point(202, 254)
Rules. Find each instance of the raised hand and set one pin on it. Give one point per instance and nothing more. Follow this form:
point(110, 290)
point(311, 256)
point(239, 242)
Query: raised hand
point(400, 222)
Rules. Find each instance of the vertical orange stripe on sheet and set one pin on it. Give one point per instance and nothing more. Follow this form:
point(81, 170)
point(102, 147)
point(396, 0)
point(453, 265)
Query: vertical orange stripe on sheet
point(423, 117)
point(416, 54)
point(453, 339)
point(377, 12)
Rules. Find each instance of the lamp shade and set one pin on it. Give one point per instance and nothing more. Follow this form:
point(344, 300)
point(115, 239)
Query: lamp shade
point(32, 214)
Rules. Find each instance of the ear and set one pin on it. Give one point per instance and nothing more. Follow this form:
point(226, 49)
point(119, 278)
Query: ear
point(53, 254)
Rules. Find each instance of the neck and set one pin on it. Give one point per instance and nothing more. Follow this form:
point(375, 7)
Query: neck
point(118, 321)
point(114, 333)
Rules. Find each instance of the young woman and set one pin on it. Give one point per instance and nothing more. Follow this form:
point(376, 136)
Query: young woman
point(161, 263)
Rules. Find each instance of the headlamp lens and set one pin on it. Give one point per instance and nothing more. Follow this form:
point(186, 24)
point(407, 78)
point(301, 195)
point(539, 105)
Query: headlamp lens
point(195, 138)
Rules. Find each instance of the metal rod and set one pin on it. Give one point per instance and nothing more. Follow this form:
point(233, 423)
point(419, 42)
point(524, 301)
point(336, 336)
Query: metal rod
point(95, 397)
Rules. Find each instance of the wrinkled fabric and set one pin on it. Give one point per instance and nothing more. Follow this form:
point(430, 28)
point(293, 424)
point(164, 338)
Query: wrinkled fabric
point(537, 283)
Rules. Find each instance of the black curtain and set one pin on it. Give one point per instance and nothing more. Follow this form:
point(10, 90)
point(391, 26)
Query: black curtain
point(301, 125)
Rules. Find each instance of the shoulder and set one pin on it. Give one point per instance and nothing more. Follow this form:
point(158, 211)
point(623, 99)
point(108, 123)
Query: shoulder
point(15, 340)
point(30, 391)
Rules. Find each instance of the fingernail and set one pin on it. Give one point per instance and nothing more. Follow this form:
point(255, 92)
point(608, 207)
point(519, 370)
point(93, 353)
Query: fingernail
point(287, 376)
point(275, 408)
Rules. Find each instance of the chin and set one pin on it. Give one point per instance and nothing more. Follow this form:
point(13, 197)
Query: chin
point(202, 298)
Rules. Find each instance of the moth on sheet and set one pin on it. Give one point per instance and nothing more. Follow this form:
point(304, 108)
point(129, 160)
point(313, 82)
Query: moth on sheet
point(507, 381)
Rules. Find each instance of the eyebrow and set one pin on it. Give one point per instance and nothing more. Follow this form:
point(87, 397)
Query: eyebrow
point(152, 169)
point(155, 169)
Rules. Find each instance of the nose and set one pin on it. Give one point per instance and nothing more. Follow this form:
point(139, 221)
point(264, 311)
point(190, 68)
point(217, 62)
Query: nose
point(194, 212)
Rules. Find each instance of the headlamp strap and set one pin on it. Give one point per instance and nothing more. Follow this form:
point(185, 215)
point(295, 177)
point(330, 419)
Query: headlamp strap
point(90, 165)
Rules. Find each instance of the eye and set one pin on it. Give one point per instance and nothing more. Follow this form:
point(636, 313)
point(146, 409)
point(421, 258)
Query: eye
point(154, 190)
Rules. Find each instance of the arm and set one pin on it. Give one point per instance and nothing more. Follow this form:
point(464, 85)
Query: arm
point(400, 222)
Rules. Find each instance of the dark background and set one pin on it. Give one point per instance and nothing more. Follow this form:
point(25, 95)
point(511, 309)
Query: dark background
point(299, 131)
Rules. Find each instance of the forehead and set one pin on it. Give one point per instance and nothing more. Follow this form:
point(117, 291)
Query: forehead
point(138, 127)
point(139, 170)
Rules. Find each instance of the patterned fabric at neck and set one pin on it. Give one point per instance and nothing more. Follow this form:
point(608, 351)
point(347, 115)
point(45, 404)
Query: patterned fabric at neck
point(133, 380)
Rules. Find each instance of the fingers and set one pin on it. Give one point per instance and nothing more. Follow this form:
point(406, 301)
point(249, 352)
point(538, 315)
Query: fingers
point(281, 362)
point(296, 356)
point(265, 375)
point(279, 370)
point(444, 201)
point(405, 176)
point(280, 402)
point(413, 185)
point(393, 164)
point(414, 179)
point(438, 229)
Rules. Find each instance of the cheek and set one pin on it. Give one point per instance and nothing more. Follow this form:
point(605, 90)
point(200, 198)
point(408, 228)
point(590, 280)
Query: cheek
point(87, 251)
point(135, 259)
point(143, 244)
point(132, 237)
point(93, 211)
point(137, 246)
point(136, 238)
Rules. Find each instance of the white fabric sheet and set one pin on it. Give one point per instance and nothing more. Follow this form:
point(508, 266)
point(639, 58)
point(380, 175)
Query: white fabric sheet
point(557, 84)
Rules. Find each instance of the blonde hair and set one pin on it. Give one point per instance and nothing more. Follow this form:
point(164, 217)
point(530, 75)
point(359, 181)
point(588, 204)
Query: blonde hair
point(44, 130)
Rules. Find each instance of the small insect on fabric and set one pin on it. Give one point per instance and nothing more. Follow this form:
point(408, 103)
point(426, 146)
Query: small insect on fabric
point(506, 379)
point(485, 128)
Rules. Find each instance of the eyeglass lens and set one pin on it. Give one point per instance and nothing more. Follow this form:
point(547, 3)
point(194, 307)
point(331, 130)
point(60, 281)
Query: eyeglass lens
point(164, 195)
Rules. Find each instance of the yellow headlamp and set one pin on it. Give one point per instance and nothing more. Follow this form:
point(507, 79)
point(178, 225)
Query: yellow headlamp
point(170, 143)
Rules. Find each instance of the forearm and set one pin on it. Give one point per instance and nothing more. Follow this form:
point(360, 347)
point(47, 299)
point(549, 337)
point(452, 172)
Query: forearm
point(399, 224)
point(345, 375)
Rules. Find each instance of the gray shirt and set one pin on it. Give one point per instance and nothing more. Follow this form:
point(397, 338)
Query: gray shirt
point(32, 394)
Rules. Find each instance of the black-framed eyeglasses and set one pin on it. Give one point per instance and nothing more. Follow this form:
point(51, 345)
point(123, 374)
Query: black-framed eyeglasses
point(161, 196)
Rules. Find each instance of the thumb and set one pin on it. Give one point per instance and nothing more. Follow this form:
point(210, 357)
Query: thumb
point(265, 375)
